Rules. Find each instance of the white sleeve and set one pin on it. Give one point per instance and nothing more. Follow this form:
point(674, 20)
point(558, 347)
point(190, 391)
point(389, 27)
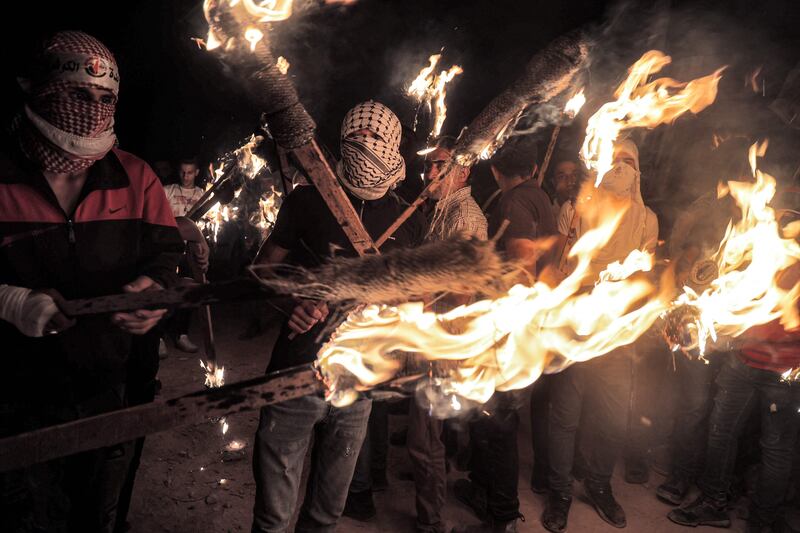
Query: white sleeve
point(27, 310)
point(565, 218)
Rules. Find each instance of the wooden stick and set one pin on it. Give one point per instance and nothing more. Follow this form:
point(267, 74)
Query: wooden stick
point(548, 154)
point(424, 195)
point(124, 425)
point(312, 159)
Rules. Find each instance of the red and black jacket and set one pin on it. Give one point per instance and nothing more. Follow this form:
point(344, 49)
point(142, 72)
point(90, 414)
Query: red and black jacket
point(121, 228)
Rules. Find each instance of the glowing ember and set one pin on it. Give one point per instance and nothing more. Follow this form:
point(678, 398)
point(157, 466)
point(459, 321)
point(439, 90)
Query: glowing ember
point(224, 423)
point(426, 151)
point(283, 65)
point(639, 104)
point(430, 89)
point(235, 446)
point(253, 35)
point(574, 104)
point(215, 375)
point(751, 258)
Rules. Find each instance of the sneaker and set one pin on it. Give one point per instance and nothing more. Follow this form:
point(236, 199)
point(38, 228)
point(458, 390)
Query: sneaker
point(359, 506)
point(701, 512)
point(673, 490)
point(472, 496)
point(379, 479)
point(162, 349)
point(556, 512)
point(185, 345)
point(637, 471)
point(604, 503)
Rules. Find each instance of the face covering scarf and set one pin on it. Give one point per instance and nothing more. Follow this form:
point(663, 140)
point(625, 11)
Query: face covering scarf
point(57, 131)
point(371, 162)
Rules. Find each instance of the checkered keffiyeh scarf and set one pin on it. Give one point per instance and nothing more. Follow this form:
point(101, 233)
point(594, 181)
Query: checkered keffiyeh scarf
point(56, 131)
point(371, 165)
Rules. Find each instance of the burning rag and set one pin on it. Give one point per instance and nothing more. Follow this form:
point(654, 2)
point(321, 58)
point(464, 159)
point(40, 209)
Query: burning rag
point(58, 131)
point(371, 163)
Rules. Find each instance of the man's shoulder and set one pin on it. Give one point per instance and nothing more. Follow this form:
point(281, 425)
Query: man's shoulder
point(131, 162)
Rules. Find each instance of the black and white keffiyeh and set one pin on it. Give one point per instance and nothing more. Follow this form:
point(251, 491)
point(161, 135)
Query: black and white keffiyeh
point(371, 164)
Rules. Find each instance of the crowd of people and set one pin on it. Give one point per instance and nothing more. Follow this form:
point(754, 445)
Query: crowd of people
point(80, 218)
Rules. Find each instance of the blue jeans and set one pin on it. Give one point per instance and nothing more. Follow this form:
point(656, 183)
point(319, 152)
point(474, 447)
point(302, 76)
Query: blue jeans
point(284, 434)
point(740, 390)
point(694, 389)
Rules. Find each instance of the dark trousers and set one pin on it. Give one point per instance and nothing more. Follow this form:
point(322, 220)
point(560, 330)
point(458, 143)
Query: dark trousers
point(428, 462)
point(649, 419)
point(141, 388)
point(540, 424)
point(494, 463)
point(692, 390)
point(741, 389)
point(375, 450)
point(604, 385)
point(75, 494)
point(284, 434)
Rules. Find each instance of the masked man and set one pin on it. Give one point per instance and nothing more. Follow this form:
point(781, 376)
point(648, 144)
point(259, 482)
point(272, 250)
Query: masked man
point(603, 383)
point(83, 219)
point(305, 234)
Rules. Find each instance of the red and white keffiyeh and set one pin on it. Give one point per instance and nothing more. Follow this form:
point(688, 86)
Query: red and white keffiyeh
point(56, 130)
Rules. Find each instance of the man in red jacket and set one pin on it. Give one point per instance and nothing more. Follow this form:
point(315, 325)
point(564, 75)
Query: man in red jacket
point(83, 219)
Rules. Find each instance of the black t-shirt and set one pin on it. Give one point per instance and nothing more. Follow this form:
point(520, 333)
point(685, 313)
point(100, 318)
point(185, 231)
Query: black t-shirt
point(306, 227)
point(528, 211)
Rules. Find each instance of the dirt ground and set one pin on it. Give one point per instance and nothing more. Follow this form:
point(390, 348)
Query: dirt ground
point(188, 482)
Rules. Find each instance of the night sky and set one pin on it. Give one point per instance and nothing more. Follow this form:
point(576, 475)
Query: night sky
point(176, 101)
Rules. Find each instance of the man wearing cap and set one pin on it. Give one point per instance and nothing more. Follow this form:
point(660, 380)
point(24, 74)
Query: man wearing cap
point(80, 218)
point(306, 234)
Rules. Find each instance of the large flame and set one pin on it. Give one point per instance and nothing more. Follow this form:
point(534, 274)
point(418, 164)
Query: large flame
point(431, 89)
point(508, 342)
point(751, 258)
point(639, 104)
point(499, 344)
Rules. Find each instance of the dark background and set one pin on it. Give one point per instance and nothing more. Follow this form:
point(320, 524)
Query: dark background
point(176, 100)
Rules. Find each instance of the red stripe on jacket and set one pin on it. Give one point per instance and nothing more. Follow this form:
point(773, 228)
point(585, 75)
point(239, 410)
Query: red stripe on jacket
point(143, 199)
